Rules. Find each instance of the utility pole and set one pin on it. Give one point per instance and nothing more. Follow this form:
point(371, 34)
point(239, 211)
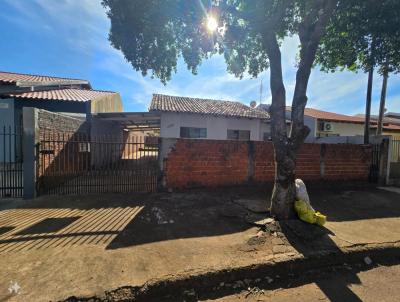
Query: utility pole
point(382, 103)
point(368, 105)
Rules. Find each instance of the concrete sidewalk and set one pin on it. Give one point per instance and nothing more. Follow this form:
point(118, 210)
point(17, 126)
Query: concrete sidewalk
point(92, 244)
point(346, 284)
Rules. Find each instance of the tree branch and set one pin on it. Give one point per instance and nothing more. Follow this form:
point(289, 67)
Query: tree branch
point(278, 104)
point(310, 32)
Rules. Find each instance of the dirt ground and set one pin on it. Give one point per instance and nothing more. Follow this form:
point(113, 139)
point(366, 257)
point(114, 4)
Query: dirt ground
point(58, 246)
point(378, 284)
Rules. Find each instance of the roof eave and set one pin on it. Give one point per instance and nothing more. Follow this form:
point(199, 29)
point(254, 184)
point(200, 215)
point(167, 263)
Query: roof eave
point(211, 114)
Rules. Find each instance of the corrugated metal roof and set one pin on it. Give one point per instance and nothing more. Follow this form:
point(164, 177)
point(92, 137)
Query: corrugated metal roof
point(66, 94)
point(11, 77)
point(170, 103)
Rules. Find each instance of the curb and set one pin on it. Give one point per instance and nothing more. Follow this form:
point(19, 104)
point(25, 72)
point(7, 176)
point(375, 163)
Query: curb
point(174, 288)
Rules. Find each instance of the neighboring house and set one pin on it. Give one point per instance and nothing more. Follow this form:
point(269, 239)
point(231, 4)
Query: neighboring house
point(324, 124)
point(185, 117)
point(391, 123)
point(61, 95)
point(54, 94)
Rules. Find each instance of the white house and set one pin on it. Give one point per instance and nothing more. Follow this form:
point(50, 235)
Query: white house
point(185, 117)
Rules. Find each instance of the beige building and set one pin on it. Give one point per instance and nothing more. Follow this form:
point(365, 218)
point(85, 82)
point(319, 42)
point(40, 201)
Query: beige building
point(327, 124)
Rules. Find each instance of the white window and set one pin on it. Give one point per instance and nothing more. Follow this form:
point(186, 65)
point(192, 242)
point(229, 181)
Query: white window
point(192, 132)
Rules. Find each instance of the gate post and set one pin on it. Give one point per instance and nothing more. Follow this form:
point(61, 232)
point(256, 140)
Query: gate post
point(384, 162)
point(165, 146)
point(29, 143)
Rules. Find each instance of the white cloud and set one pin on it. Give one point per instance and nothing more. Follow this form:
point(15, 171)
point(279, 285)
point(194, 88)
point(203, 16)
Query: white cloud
point(83, 26)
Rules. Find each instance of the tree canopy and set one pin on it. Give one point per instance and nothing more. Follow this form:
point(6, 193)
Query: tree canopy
point(153, 34)
point(362, 34)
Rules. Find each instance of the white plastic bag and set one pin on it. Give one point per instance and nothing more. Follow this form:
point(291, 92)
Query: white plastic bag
point(301, 192)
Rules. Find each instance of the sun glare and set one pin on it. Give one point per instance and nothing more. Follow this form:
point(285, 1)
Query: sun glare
point(212, 24)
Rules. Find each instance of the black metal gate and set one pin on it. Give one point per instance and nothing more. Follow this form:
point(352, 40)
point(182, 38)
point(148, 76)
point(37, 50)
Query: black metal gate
point(375, 163)
point(11, 166)
point(76, 163)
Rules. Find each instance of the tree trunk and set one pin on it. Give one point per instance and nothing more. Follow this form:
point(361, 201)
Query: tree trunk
point(284, 189)
point(286, 147)
point(368, 105)
point(382, 103)
point(284, 192)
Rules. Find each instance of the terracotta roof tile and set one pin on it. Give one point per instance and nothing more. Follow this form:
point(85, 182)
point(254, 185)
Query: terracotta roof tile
point(11, 77)
point(387, 126)
point(169, 103)
point(66, 94)
point(330, 116)
point(387, 120)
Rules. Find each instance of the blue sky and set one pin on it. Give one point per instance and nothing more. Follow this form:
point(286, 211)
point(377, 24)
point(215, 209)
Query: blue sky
point(68, 38)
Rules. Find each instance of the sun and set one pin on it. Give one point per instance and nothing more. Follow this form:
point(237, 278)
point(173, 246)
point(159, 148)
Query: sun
point(212, 24)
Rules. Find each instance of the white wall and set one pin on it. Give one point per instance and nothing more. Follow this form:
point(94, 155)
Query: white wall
point(346, 129)
point(312, 124)
point(216, 126)
point(264, 127)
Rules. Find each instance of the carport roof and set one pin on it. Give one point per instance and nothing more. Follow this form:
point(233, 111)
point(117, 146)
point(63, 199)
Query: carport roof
point(132, 120)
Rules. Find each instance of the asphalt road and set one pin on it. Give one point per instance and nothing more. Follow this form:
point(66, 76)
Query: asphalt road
point(378, 284)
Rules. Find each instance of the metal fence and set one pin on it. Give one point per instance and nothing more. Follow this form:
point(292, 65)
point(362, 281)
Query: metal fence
point(11, 166)
point(375, 163)
point(76, 163)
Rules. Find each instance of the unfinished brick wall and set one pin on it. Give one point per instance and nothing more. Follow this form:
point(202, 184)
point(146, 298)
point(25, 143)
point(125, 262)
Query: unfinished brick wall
point(60, 122)
point(214, 163)
point(264, 165)
point(309, 161)
point(345, 161)
point(206, 163)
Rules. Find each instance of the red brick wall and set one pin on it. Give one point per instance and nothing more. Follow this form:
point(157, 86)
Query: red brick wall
point(347, 161)
point(216, 163)
point(309, 161)
point(206, 163)
point(264, 165)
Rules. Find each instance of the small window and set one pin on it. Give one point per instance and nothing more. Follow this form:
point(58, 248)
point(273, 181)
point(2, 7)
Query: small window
point(192, 132)
point(239, 135)
point(267, 136)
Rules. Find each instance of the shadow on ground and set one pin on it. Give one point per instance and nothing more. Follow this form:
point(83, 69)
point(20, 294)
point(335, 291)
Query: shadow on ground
point(337, 291)
point(118, 221)
point(310, 239)
point(203, 213)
